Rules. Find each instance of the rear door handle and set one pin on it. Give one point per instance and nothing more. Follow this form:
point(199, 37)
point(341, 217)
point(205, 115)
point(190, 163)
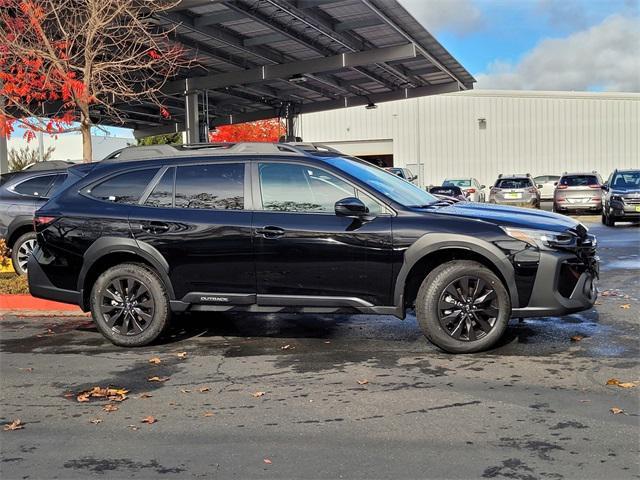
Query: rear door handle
point(270, 232)
point(155, 227)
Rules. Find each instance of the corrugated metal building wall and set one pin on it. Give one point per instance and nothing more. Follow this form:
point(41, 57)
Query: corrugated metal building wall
point(524, 132)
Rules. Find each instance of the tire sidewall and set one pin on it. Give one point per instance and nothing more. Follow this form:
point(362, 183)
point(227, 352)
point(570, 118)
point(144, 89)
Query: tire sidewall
point(14, 251)
point(429, 295)
point(159, 296)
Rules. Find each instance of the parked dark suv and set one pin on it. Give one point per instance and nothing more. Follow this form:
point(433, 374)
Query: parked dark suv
point(268, 228)
point(21, 194)
point(621, 199)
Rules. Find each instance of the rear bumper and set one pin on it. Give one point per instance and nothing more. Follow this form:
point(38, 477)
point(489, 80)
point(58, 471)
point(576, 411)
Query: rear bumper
point(566, 206)
point(564, 284)
point(516, 203)
point(41, 287)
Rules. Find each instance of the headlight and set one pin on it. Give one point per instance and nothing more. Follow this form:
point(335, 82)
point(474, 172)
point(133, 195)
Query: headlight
point(542, 239)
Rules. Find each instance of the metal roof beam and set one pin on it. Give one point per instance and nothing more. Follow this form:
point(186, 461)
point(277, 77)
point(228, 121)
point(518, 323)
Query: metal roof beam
point(216, 18)
point(343, 103)
point(357, 23)
point(274, 72)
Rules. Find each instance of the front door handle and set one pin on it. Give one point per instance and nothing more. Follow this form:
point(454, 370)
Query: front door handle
point(270, 232)
point(155, 227)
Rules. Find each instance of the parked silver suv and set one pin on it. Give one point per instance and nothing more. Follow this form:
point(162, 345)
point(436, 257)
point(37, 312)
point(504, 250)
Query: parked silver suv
point(578, 192)
point(515, 190)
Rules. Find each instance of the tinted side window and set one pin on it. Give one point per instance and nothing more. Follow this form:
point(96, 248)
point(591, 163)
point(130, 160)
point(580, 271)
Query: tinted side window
point(124, 188)
point(35, 187)
point(299, 188)
point(57, 183)
point(162, 194)
point(215, 186)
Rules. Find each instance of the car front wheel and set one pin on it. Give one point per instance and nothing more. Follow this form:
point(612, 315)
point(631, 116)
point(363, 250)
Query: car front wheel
point(130, 305)
point(606, 219)
point(463, 307)
point(21, 251)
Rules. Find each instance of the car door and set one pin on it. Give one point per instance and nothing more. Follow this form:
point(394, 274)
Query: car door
point(195, 216)
point(307, 255)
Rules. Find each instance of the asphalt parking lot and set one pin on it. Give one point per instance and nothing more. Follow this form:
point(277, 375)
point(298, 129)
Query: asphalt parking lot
point(293, 396)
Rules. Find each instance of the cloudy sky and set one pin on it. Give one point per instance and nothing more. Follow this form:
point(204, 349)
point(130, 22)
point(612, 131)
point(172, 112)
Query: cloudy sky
point(540, 44)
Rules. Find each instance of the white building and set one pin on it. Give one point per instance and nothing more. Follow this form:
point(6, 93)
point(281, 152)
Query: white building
point(69, 145)
point(482, 133)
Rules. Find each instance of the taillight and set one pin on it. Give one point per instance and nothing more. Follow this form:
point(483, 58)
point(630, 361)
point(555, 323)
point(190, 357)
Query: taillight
point(561, 187)
point(40, 221)
point(470, 190)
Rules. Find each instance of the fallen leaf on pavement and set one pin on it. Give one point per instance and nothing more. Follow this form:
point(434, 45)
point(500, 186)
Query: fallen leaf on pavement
point(109, 407)
point(132, 427)
point(181, 354)
point(27, 369)
point(616, 411)
point(626, 306)
point(184, 390)
point(155, 360)
point(112, 394)
point(158, 379)
point(149, 420)
point(618, 383)
point(203, 389)
point(267, 461)
point(285, 347)
point(258, 394)
point(145, 395)
point(96, 421)
point(576, 338)
point(15, 425)
point(208, 414)
point(364, 381)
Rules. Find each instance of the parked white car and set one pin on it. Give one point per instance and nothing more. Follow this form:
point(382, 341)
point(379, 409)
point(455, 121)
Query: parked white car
point(546, 185)
point(470, 187)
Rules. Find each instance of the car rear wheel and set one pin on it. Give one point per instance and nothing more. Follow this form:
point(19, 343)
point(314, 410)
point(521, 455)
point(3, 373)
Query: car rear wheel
point(21, 252)
point(130, 305)
point(463, 307)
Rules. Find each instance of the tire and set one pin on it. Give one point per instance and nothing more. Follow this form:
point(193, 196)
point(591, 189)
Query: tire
point(21, 251)
point(142, 317)
point(433, 294)
point(607, 220)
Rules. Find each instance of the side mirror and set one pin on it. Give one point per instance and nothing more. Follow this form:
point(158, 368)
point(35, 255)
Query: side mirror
point(604, 187)
point(482, 187)
point(555, 184)
point(414, 178)
point(539, 185)
point(351, 207)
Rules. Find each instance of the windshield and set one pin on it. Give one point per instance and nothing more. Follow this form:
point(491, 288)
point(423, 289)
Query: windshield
point(626, 180)
point(457, 183)
point(386, 183)
point(395, 171)
point(579, 180)
point(514, 183)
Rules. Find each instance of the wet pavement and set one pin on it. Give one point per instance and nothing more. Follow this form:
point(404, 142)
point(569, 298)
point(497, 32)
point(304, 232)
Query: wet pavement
point(344, 396)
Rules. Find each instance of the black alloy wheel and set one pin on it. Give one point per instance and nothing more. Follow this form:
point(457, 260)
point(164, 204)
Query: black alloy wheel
point(467, 308)
point(127, 306)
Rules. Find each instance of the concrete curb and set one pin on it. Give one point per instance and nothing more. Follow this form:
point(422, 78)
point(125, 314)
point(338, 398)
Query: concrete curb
point(27, 305)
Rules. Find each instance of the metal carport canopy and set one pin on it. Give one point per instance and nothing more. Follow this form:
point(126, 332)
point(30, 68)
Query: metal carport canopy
point(257, 59)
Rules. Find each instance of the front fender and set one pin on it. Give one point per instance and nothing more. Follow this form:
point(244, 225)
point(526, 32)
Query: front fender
point(434, 242)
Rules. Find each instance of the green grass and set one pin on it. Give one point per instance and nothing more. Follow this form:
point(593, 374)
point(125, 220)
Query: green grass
point(10, 283)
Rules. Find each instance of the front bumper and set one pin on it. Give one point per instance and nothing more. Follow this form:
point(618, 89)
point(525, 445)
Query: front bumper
point(620, 210)
point(41, 287)
point(565, 283)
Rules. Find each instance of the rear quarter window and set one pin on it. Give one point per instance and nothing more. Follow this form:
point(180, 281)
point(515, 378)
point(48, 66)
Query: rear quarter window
point(35, 187)
point(123, 188)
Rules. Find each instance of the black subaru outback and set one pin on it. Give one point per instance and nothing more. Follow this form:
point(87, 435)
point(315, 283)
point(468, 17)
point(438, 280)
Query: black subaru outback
point(269, 228)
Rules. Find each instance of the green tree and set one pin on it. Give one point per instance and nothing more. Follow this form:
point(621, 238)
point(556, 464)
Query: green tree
point(19, 158)
point(169, 138)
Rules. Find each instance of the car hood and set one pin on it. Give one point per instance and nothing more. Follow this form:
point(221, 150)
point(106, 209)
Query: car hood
point(510, 216)
point(625, 191)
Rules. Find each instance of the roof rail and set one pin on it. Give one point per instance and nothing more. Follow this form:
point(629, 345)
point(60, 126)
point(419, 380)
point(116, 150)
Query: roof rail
point(147, 152)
